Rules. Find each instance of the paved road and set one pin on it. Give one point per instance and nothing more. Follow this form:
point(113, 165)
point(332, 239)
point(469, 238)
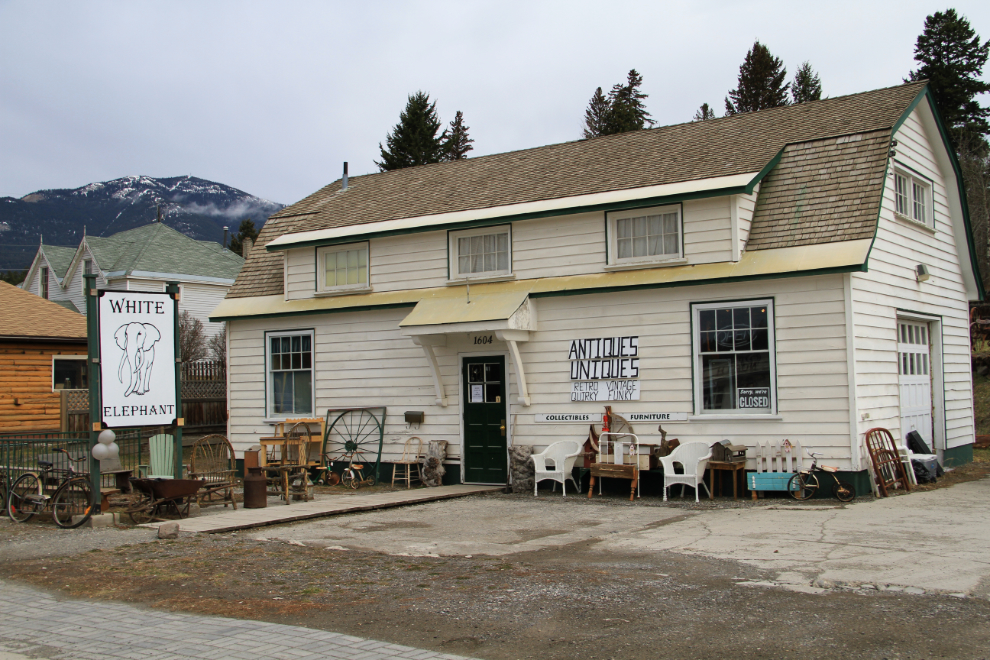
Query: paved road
point(34, 624)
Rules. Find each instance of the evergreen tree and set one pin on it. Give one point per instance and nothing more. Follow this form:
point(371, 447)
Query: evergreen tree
point(952, 59)
point(246, 230)
point(628, 110)
point(14, 277)
point(414, 140)
point(760, 85)
point(703, 113)
point(622, 110)
point(597, 117)
point(807, 86)
point(458, 142)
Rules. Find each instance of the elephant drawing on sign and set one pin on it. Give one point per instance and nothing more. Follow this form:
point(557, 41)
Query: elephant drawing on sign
point(137, 340)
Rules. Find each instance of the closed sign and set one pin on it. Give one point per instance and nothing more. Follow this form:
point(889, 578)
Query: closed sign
point(754, 397)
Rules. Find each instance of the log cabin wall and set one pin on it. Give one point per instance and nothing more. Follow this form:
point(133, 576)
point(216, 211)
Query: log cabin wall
point(27, 402)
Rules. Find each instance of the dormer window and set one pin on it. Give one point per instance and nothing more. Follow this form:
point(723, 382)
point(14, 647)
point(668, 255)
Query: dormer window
point(342, 268)
point(645, 236)
point(481, 253)
point(913, 198)
point(44, 283)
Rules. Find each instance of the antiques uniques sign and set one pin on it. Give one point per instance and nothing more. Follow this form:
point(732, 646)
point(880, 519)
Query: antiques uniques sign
point(137, 358)
point(604, 369)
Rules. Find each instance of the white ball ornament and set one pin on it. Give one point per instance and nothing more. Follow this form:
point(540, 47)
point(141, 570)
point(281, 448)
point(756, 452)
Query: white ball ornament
point(114, 449)
point(100, 452)
point(106, 437)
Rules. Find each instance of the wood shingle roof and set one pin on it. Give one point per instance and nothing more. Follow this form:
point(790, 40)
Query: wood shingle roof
point(25, 316)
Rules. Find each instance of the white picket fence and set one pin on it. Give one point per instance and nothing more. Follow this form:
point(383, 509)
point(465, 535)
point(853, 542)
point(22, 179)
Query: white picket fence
point(779, 456)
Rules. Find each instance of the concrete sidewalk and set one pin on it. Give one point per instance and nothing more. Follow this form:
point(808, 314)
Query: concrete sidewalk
point(34, 624)
point(331, 506)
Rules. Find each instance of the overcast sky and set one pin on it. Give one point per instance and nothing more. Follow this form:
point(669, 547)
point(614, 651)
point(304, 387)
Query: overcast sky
point(272, 97)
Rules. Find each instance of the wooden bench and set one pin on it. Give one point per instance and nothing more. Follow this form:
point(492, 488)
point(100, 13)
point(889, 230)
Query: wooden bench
point(213, 460)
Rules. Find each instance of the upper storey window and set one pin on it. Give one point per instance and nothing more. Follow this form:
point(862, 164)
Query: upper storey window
point(343, 268)
point(645, 235)
point(913, 198)
point(44, 283)
point(481, 253)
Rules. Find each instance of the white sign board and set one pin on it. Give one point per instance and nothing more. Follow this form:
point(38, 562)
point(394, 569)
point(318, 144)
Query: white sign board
point(568, 418)
point(656, 417)
point(605, 390)
point(137, 359)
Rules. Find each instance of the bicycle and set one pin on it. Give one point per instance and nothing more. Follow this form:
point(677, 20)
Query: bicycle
point(71, 504)
point(353, 475)
point(803, 485)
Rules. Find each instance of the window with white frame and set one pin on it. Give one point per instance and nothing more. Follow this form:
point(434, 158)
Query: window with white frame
point(913, 197)
point(343, 267)
point(290, 373)
point(44, 283)
point(645, 235)
point(87, 270)
point(734, 364)
point(69, 372)
point(483, 252)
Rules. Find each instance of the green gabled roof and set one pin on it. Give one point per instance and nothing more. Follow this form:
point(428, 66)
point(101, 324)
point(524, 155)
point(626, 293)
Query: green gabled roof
point(157, 248)
point(59, 258)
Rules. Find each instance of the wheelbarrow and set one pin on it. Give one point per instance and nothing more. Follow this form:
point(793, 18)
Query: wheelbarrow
point(155, 498)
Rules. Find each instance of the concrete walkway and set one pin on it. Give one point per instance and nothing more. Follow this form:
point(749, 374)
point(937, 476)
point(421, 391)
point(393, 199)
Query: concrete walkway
point(331, 506)
point(34, 624)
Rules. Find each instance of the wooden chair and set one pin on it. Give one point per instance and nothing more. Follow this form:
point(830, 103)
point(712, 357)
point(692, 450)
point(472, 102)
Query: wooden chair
point(412, 455)
point(888, 469)
point(161, 451)
point(213, 460)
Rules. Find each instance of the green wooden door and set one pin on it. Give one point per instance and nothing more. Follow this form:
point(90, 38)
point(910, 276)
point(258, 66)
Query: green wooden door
point(485, 455)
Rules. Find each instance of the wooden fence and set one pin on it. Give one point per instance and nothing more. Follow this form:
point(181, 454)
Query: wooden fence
point(204, 399)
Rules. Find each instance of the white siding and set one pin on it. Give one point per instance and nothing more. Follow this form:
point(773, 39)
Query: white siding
point(362, 360)
point(200, 300)
point(554, 247)
point(745, 207)
point(707, 230)
point(300, 273)
point(74, 280)
point(411, 261)
point(891, 284)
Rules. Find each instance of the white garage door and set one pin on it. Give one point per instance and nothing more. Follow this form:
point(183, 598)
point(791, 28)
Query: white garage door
point(914, 369)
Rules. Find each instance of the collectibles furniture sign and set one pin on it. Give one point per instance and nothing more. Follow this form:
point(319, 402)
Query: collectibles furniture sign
point(604, 369)
point(137, 358)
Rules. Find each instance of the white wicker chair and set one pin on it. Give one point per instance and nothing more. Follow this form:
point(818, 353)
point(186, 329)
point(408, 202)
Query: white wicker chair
point(693, 456)
point(563, 455)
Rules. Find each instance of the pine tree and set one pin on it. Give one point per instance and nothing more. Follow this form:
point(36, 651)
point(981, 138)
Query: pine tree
point(458, 142)
point(246, 230)
point(703, 113)
point(622, 110)
point(807, 86)
point(952, 59)
point(414, 140)
point(761, 83)
point(597, 117)
point(628, 110)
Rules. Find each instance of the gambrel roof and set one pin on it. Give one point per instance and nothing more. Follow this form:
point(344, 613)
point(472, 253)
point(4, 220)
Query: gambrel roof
point(820, 166)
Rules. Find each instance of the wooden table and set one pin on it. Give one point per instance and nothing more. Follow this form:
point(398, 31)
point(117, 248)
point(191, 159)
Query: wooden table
point(611, 470)
point(283, 467)
point(734, 467)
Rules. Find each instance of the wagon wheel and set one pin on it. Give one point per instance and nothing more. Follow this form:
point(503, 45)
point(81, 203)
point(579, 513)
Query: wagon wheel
point(356, 432)
point(619, 425)
point(141, 511)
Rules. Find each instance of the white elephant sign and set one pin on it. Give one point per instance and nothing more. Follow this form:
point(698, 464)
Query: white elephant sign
point(137, 358)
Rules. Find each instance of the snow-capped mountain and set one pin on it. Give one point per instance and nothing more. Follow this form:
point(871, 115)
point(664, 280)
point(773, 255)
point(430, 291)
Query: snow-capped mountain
point(196, 207)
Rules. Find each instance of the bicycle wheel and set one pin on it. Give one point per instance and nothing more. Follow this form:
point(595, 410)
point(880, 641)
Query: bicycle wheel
point(347, 478)
point(843, 491)
point(25, 499)
point(802, 486)
point(73, 503)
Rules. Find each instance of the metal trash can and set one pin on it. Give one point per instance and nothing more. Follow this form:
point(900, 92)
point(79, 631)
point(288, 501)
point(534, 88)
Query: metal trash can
point(255, 490)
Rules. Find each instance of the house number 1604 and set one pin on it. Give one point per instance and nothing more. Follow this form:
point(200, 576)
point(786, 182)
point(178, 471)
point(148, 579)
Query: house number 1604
point(487, 339)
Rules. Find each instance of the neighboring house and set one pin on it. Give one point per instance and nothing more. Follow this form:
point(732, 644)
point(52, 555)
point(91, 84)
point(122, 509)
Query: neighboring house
point(141, 259)
point(802, 273)
point(42, 351)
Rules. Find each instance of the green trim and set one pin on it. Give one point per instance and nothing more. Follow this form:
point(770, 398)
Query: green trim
point(717, 280)
point(508, 219)
point(276, 315)
point(268, 414)
point(960, 184)
point(765, 171)
point(958, 456)
point(915, 172)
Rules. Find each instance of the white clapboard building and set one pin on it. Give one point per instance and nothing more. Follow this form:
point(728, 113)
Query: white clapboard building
point(802, 273)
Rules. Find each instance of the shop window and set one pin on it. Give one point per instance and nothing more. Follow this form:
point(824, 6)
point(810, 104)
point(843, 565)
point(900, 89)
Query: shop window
point(69, 372)
point(734, 357)
point(290, 373)
point(913, 198)
point(645, 235)
point(481, 253)
point(343, 268)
